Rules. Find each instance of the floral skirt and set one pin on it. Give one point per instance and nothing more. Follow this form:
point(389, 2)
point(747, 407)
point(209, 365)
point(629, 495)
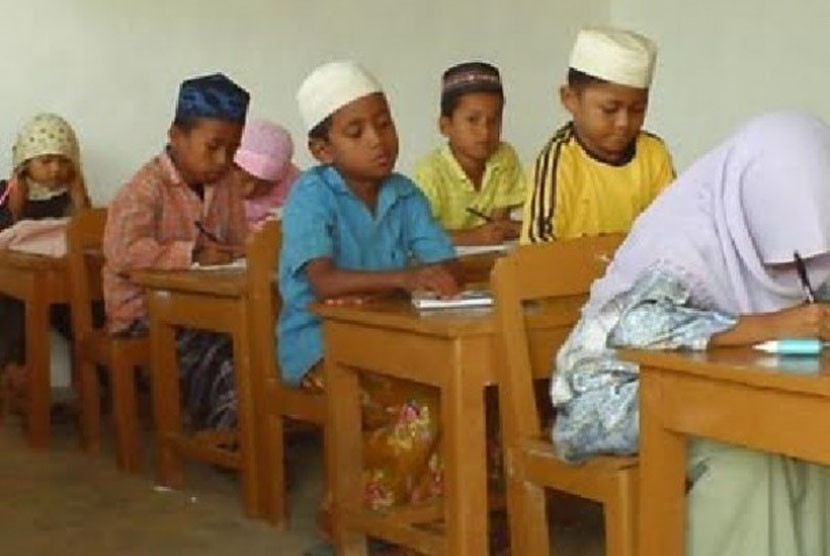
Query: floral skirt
point(400, 439)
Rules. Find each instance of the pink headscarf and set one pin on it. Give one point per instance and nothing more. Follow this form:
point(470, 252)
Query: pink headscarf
point(741, 209)
point(265, 152)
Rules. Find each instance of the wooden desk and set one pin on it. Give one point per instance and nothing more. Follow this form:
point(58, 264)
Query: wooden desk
point(215, 300)
point(735, 396)
point(39, 282)
point(453, 351)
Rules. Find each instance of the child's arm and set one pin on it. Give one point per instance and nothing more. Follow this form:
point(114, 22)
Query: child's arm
point(328, 281)
point(18, 194)
point(802, 321)
point(130, 239)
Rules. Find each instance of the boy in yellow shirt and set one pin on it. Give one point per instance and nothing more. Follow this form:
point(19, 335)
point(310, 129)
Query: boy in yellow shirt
point(600, 170)
point(474, 180)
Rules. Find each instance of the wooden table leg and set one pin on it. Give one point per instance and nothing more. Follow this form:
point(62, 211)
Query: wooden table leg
point(37, 366)
point(463, 447)
point(249, 473)
point(164, 381)
point(344, 453)
point(662, 476)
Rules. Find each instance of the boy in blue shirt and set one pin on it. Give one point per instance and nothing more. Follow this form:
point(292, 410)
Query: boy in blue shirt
point(350, 227)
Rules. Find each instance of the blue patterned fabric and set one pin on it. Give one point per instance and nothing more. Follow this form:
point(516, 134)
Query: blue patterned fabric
point(212, 96)
point(597, 394)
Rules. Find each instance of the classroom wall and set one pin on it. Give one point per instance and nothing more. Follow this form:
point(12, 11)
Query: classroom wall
point(722, 62)
point(112, 67)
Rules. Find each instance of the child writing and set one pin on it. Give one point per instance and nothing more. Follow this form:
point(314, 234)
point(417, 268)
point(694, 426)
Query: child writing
point(711, 263)
point(263, 169)
point(474, 180)
point(600, 170)
point(161, 220)
point(350, 226)
point(46, 182)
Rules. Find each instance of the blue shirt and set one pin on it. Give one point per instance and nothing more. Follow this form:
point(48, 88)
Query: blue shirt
point(324, 218)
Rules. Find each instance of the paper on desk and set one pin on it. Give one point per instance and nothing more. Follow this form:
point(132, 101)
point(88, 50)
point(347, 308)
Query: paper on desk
point(465, 299)
point(238, 263)
point(467, 250)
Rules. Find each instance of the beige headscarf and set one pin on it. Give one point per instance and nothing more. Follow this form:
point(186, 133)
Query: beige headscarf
point(42, 135)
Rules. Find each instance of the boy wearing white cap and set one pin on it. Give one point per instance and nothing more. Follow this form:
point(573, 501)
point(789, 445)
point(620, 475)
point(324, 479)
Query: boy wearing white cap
point(600, 170)
point(350, 227)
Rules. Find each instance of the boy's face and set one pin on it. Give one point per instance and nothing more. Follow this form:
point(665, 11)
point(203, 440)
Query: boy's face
point(50, 170)
point(362, 142)
point(250, 185)
point(607, 117)
point(204, 153)
point(474, 128)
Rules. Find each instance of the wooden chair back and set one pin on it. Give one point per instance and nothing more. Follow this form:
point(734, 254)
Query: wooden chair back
point(84, 238)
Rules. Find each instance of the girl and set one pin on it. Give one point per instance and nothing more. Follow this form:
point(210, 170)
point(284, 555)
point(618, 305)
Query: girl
point(46, 182)
point(263, 168)
point(711, 262)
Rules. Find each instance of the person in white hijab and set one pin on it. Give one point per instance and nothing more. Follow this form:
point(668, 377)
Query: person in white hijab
point(711, 262)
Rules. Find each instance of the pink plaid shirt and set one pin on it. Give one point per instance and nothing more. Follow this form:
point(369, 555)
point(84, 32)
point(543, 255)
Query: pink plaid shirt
point(151, 224)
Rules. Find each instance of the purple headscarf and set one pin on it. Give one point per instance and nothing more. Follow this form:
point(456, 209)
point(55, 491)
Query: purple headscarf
point(729, 225)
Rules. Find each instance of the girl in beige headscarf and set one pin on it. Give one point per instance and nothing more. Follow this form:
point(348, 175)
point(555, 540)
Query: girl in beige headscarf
point(47, 179)
point(46, 182)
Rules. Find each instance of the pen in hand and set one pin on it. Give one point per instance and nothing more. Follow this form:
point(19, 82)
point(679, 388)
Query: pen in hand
point(801, 268)
point(208, 234)
point(480, 214)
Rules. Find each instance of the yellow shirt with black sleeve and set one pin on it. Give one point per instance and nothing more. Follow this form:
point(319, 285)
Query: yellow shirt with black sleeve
point(574, 194)
point(450, 191)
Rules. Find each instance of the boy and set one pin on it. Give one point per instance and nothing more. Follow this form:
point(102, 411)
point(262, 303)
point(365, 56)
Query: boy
point(350, 227)
point(473, 181)
point(600, 170)
point(181, 207)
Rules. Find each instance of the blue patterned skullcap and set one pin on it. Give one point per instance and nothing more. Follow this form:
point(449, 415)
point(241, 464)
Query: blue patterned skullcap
point(212, 96)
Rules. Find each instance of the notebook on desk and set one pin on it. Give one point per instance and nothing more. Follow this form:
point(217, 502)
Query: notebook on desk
point(427, 301)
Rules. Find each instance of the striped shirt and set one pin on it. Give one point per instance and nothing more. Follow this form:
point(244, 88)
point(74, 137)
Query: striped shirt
point(151, 224)
point(576, 195)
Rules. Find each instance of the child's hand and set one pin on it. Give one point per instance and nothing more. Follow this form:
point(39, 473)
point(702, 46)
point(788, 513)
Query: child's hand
point(434, 278)
point(210, 253)
point(803, 321)
point(493, 232)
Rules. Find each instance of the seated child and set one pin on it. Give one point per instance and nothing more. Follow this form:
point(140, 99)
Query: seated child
point(263, 169)
point(711, 263)
point(600, 170)
point(154, 223)
point(473, 181)
point(46, 182)
point(350, 227)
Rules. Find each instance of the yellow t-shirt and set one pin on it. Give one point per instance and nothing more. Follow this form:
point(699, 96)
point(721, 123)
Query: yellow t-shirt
point(450, 191)
point(575, 195)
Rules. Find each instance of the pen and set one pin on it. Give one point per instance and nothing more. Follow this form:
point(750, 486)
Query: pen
point(792, 346)
point(207, 234)
point(480, 214)
point(805, 280)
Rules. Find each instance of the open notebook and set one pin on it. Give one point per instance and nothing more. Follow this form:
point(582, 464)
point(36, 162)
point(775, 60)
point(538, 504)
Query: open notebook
point(465, 299)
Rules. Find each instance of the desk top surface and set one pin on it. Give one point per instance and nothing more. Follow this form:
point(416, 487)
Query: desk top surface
point(809, 374)
point(218, 282)
point(30, 261)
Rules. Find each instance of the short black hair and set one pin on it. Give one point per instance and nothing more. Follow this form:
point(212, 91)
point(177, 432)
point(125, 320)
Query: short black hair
point(321, 130)
point(465, 78)
point(580, 80)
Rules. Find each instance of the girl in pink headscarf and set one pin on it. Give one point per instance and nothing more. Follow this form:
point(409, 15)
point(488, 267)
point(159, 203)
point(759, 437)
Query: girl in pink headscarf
point(264, 169)
point(711, 262)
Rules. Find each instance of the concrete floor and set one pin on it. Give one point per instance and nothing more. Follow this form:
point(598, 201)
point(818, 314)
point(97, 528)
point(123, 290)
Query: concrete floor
point(63, 502)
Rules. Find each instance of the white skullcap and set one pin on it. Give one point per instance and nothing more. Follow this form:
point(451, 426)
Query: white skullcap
point(330, 87)
point(615, 55)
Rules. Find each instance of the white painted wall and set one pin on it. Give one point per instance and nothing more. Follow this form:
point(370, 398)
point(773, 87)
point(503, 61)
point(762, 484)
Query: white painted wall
point(723, 61)
point(112, 67)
